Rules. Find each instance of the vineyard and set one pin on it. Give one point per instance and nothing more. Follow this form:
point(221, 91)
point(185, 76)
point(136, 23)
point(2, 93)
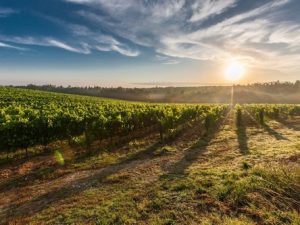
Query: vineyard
point(147, 163)
point(30, 118)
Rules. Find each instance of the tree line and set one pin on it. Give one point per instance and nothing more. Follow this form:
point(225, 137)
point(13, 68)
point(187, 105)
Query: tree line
point(270, 92)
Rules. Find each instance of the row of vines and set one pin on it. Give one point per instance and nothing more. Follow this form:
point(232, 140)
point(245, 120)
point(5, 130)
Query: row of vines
point(259, 112)
point(30, 118)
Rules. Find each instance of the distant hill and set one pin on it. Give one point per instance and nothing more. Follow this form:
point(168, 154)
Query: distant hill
point(272, 92)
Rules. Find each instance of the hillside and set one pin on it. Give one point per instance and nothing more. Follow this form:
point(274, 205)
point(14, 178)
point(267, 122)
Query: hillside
point(82, 160)
point(274, 92)
point(228, 177)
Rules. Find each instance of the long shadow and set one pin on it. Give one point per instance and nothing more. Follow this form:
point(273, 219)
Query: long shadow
point(116, 145)
point(273, 132)
point(242, 136)
point(195, 151)
point(288, 124)
point(106, 144)
point(191, 155)
point(24, 180)
point(27, 179)
point(75, 187)
point(112, 146)
point(22, 158)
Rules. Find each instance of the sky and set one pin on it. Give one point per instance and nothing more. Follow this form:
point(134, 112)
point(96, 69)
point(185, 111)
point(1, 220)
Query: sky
point(147, 42)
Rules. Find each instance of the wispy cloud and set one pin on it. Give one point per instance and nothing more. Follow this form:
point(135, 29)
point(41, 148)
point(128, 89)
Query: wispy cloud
point(3, 45)
point(102, 42)
point(46, 42)
point(257, 36)
point(207, 8)
point(124, 51)
point(96, 42)
point(256, 32)
point(167, 60)
point(81, 39)
point(4, 12)
point(51, 42)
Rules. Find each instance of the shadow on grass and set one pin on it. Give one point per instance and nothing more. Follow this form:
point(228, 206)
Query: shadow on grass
point(20, 156)
point(77, 186)
point(288, 124)
point(195, 151)
point(273, 132)
point(28, 178)
point(112, 146)
point(242, 136)
point(41, 174)
point(115, 146)
point(191, 155)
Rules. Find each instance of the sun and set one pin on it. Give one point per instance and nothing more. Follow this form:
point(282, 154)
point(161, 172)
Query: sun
point(234, 71)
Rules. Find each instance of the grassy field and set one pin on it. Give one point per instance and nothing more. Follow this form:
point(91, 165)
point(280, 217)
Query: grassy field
point(245, 174)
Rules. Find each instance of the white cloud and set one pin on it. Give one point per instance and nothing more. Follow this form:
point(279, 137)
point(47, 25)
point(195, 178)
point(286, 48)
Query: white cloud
point(93, 41)
point(136, 10)
point(124, 51)
point(207, 8)
point(233, 37)
point(239, 37)
point(47, 42)
point(51, 42)
point(102, 42)
point(167, 60)
point(3, 45)
point(175, 29)
point(4, 12)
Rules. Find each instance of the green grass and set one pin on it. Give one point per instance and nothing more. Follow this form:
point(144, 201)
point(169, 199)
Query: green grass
point(191, 180)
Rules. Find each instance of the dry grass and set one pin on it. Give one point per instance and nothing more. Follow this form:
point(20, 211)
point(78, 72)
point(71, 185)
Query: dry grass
point(190, 180)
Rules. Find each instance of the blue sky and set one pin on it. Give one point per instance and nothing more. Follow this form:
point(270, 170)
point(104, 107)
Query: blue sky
point(118, 42)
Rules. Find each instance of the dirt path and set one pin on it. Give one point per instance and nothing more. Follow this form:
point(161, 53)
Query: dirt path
point(28, 200)
point(142, 174)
